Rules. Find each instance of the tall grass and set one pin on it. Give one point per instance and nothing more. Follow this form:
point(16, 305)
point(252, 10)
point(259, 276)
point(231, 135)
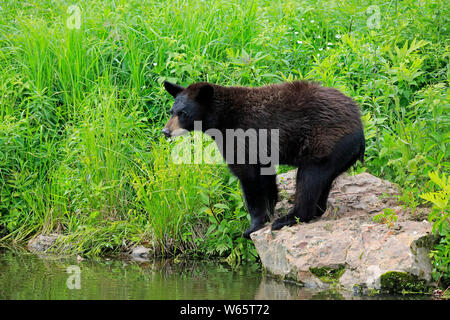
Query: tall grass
point(81, 109)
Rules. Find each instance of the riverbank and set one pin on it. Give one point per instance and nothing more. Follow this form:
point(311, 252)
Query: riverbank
point(363, 237)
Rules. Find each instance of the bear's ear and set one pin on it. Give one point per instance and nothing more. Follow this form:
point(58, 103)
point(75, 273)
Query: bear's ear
point(205, 93)
point(173, 88)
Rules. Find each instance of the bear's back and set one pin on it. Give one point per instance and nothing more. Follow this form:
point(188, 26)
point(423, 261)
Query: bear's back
point(296, 104)
point(308, 116)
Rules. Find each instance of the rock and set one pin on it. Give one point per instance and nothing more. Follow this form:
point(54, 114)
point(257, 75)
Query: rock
point(345, 245)
point(140, 253)
point(43, 242)
point(363, 192)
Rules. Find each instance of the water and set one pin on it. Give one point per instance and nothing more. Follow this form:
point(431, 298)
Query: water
point(28, 276)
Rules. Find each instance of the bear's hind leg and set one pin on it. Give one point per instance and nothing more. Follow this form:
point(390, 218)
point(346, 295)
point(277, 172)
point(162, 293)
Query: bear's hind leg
point(314, 180)
point(269, 185)
point(321, 206)
point(311, 181)
point(347, 152)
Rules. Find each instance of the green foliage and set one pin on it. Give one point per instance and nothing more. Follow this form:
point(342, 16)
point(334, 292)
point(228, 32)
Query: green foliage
point(440, 217)
point(228, 219)
point(440, 213)
point(388, 217)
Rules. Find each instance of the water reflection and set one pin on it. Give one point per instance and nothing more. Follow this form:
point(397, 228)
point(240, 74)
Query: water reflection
point(29, 276)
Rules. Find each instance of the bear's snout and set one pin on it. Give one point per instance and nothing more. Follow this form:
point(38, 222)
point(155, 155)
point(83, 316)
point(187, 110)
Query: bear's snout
point(166, 132)
point(173, 128)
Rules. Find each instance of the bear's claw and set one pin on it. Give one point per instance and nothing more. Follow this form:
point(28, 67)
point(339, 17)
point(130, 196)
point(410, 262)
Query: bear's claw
point(287, 220)
point(250, 230)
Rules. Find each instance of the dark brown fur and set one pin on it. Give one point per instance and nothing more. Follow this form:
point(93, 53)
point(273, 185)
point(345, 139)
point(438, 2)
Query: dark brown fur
point(309, 116)
point(320, 131)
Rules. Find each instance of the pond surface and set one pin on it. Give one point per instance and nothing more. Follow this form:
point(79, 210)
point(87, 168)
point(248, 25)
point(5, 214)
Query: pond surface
point(29, 276)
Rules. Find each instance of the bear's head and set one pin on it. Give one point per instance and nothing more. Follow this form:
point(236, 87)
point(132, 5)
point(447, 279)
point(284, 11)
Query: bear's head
point(190, 105)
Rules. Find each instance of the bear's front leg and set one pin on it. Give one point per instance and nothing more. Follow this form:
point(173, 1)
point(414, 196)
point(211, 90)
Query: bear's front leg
point(260, 194)
point(256, 206)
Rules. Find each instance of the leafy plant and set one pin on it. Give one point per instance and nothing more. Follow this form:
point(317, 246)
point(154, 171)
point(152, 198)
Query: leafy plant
point(440, 217)
point(388, 217)
point(228, 219)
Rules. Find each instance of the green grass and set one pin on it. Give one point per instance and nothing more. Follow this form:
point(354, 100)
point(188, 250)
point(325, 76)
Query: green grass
point(81, 109)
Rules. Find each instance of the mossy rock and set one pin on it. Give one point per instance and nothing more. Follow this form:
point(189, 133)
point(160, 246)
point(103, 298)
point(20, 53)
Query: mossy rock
point(328, 274)
point(403, 282)
point(427, 242)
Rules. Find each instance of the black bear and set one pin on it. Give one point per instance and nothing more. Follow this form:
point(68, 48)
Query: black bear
point(319, 130)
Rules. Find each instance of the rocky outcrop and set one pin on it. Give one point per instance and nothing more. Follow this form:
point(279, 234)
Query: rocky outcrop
point(140, 253)
point(43, 242)
point(48, 243)
point(346, 246)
